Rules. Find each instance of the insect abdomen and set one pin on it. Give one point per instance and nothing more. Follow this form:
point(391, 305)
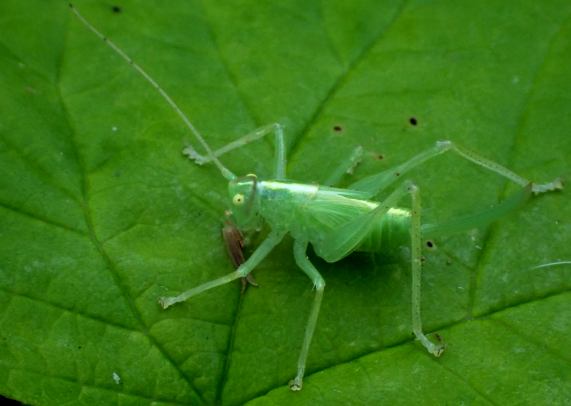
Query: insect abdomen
point(391, 231)
point(312, 213)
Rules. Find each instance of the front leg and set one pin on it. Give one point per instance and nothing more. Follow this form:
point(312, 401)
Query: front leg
point(280, 155)
point(243, 270)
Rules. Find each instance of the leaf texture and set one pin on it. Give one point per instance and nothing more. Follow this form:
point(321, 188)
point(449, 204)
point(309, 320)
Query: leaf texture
point(100, 214)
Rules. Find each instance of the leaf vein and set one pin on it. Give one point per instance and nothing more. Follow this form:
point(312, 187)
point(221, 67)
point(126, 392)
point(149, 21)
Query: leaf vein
point(342, 80)
point(410, 340)
point(521, 334)
point(69, 310)
point(120, 390)
point(111, 266)
point(41, 219)
point(491, 234)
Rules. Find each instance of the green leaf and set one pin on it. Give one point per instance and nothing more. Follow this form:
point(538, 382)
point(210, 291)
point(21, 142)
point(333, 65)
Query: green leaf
point(100, 214)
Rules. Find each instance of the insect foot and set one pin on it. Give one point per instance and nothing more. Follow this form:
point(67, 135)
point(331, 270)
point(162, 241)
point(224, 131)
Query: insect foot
point(165, 302)
point(444, 145)
point(435, 349)
point(194, 156)
point(439, 347)
point(295, 384)
point(556, 184)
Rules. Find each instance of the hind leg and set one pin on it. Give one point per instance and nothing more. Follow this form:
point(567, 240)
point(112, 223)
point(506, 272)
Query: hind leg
point(416, 262)
point(377, 183)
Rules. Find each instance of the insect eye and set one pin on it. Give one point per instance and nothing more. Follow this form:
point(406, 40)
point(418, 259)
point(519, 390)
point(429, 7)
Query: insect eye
point(238, 199)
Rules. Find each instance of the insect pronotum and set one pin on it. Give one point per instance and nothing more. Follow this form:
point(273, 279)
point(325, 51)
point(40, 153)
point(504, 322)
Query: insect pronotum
point(335, 221)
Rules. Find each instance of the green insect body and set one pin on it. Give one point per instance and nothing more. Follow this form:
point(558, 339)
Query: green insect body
point(335, 221)
point(315, 213)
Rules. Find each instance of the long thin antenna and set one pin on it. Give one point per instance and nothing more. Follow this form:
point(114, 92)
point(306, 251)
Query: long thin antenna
point(225, 171)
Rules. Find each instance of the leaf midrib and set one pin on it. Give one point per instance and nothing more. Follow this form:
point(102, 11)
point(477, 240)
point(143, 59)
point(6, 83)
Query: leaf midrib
point(485, 316)
point(491, 235)
point(330, 94)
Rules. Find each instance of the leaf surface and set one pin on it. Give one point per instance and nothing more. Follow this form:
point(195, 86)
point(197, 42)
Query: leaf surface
point(100, 214)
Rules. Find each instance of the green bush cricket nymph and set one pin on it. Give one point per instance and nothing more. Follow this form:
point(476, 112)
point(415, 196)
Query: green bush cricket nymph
point(335, 221)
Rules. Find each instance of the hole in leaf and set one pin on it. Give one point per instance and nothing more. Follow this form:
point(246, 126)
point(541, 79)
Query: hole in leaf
point(337, 128)
point(413, 121)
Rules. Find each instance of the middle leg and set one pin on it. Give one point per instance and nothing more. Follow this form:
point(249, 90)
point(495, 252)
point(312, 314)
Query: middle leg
point(300, 255)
